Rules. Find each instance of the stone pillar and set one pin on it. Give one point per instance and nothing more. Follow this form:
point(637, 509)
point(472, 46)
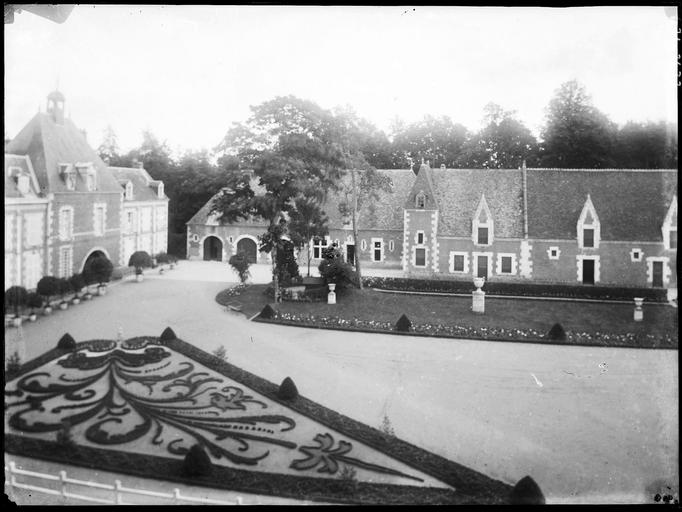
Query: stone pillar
point(639, 313)
point(478, 296)
point(331, 296)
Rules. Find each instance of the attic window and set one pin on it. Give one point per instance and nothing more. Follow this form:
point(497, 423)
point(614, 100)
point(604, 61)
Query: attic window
point(160, 191)
point(129, 191)
point(23, 183)
point(420, 200)
point(588, 228)
point(69, 176)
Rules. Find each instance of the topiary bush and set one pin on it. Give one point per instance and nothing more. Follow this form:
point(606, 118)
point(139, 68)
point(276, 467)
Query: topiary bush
point(15, 299)
point(287, 390)
point(98, 270)
point(168, 334)
point(403, 324)
point(335, 270)
point(64, 287)
point(526, 492)
point(48, 287)
point(267, 312)
point(162, 258)
point(557, 333)
point(66, 342)
point(77, 283)
point(140, 260)
point(197, 462)
point(34, 301)
point(240, 264)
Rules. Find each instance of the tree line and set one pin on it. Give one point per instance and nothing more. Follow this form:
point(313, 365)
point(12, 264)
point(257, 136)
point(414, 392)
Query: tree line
point(300, 151)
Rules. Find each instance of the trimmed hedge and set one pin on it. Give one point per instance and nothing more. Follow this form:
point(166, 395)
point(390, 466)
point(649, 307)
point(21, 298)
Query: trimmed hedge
point(267, 312)
point(520, 289)
point(66, 342)
point(287, 390)
point(197, 462)
point(557, 333)
point(526, 492)
point(403, 324)
point(167, 334)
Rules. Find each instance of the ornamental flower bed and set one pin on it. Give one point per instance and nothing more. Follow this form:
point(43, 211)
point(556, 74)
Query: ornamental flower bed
point(482, 333)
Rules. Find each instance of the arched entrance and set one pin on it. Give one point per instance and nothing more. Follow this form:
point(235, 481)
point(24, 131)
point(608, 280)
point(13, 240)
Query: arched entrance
point(213, 249)
point(249, 248)
point(90, 274)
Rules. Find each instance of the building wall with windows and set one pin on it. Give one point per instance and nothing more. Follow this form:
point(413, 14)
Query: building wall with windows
point(63, 204)
point(610, 227)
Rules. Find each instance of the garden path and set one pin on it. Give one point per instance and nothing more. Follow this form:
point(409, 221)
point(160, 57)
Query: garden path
point(589, 424)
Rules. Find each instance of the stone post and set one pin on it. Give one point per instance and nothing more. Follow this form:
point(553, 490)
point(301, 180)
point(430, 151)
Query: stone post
point(331, 296)
point(639, 314)
point(478, 296)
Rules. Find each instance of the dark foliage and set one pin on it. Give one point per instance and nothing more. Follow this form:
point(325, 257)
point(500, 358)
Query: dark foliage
point(522, 289)
point(15, 299)
point(557, 333)
point(48, 286)
point(77, 282)
point(240, 263)
point(98, 270)
point(168, 334)
point(65, 287)
point(267, 312)
point(403, 324)
point(287, 390)
point(162, 257)
point(140, 260)
point(526, 492)
point(34, 301)
point(66, 342)
point(197, 462)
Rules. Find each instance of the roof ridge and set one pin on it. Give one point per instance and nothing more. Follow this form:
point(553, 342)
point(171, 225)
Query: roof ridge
point(608, 169)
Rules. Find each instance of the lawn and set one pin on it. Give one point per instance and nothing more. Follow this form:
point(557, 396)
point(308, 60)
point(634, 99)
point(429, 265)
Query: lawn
point(540, 315)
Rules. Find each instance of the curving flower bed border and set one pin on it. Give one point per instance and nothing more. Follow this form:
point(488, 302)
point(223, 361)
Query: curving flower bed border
point(596, 339)
point(471, 486)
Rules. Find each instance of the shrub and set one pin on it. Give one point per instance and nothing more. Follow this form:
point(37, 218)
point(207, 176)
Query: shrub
point(240, 264)
point(13, 364)
point(162, 257)
point(48, 287)
point(117, 274)
point(386, 426)
point(334, 269)
point(403, 324)
point(267, 312)
point(287, 267)
point(348, 476)
point(287, 390)
point(65, 436)
point(557, 333)
point(66, 342)
point(34, 301)
point(64, 287)
point(526, 492)
point(168, 334)
point(99, 270)
point(220, 353)
point(15, 299)
point(197, 462)
point(77, 282)
point(140, 260)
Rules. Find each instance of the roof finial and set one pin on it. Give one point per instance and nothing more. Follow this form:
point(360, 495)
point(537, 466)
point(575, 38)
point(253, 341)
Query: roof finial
point(422, 160)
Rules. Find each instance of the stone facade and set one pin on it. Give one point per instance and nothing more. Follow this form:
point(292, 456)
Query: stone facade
point(608, 227)
point(64, 205)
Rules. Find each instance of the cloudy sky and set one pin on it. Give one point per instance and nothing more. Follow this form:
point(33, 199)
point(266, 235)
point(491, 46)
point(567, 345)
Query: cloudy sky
point(187, 72)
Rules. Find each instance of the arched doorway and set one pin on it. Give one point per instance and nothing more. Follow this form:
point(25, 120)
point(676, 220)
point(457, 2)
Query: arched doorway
point(213, 249)
point(248, 247)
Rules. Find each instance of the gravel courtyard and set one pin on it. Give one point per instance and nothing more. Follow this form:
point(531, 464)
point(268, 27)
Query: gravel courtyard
point(590, 425)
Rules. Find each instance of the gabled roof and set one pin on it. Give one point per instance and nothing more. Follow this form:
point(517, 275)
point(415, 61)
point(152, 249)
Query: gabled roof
point(144, 187)
point(385, 213)
point(423, 184)
point(203, 215)
point(458, 193)
point(19, 164)
point(49, 144)
point(631, 204)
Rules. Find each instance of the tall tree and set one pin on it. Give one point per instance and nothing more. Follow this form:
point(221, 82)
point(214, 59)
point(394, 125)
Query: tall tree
point(292, 147)
point(108, 150)
point(307, 221)
point(647, 146)
point(503, 142)
point(576, 133)
point(437, 139)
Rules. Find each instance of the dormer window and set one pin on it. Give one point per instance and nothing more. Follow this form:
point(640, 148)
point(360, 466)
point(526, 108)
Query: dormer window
point(160, 191)
point(420, 200)
point(129, 191)
point(88, 173)
point(482, 229)
point(670, 226)
point(23, 183)
point(588, 227)
point(68, 175)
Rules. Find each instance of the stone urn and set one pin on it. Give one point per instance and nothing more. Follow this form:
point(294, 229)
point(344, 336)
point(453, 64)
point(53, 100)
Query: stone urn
point(101, 290)
point(47, 310)
point(639, 313)
point(139, 277)
point(32, 317)
point(75, 301)
point(331, 296)
point(63, 305)
point(16, 321)
point(478, 296)
point(161, 271)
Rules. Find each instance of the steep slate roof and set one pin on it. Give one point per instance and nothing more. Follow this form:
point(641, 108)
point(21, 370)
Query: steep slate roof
point(630, 204)
point(386, 213)
point(141, 180)
point(458, 194)
point(423, 183)
point(22, 162)
point(48, 144)
point(202, 216)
